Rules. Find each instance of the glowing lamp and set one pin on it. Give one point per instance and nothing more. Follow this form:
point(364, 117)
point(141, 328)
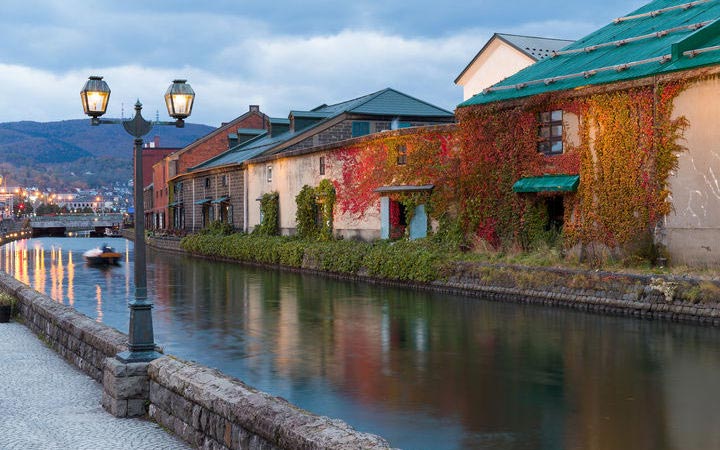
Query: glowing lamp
point(179, 99)
point(94, 96)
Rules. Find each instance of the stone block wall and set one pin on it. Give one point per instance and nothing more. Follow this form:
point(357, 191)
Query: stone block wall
point(647, 296)
point(167, 243)
point(77, 338)
point(211, 410)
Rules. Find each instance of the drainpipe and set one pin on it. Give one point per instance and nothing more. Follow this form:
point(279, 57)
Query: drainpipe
point(245, 199)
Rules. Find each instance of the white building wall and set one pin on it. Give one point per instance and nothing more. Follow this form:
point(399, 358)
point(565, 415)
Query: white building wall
point(497, 62)
point(289, 175)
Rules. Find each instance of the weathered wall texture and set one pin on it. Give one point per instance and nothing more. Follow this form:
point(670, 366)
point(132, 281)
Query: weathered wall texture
point(289, 175)
point(692, 230)
point(211, 410)
point(213, 185)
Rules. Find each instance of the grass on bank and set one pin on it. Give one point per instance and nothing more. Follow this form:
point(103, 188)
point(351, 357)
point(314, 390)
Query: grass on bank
point(421, 260)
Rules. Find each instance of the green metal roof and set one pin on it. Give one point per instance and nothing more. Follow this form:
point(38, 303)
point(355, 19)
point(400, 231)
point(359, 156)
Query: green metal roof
point(387, 102)
point(547, 183)
point(661, 37)
point(252, 131)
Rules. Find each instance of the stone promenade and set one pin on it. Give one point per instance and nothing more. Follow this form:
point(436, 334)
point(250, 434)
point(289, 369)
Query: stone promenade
point(48, 404)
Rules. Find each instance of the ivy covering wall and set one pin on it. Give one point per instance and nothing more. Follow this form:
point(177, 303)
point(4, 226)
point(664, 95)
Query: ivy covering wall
point(626, 148)
point(270, 213)
point(313, 204)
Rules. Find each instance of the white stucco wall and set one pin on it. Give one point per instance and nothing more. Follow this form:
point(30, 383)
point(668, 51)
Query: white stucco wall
point(289, 175)
point(692, 230)
point(497, 62)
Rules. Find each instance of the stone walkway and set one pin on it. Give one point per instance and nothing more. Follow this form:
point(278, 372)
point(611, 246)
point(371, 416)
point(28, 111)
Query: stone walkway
point(48, 404)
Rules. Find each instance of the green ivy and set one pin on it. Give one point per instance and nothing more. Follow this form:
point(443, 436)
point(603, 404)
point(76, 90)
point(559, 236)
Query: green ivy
point(325, 193)
point(306, 213)
point(270, 210)
point(309, 202)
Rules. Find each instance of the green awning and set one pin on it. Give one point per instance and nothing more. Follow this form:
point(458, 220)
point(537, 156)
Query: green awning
point(203, 201)
point(221, 200)
point(548, 183)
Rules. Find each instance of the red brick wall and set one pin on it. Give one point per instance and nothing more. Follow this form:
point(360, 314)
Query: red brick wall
point(217, 141)
point(150, 156)
point(160, 191)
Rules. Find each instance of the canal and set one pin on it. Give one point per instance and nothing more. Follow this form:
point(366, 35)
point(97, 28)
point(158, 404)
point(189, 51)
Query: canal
point(424, 370)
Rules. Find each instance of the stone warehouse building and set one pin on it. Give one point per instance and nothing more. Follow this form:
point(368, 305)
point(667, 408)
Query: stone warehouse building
point(614, 136)
point(163, 209)
point(227, 186)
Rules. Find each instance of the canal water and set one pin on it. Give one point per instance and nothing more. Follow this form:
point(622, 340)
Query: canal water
point(424, 370)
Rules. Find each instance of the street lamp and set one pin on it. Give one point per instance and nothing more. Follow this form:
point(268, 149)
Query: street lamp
point(179, 99)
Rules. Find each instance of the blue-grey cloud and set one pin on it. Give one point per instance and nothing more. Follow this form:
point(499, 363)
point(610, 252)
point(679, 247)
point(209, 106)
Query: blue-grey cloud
point(281, 54)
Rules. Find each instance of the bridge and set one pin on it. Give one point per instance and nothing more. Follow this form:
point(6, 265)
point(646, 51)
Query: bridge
point(61, 225)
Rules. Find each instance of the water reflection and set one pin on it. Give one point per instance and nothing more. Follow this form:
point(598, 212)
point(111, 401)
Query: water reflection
point(424, 370)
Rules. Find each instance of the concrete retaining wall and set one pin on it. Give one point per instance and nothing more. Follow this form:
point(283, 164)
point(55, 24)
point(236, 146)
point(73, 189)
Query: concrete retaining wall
point(204, 407)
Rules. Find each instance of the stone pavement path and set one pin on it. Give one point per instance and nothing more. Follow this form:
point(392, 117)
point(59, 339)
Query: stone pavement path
point(46, 403)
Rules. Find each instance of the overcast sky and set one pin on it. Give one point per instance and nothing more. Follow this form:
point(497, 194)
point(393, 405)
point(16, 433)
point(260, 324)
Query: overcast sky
point(280, 54)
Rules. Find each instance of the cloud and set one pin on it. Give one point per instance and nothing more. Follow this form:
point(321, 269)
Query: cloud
point(279, 55)
point(280, 74)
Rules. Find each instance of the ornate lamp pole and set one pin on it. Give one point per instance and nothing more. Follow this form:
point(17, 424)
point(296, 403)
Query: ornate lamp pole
point(179, 99)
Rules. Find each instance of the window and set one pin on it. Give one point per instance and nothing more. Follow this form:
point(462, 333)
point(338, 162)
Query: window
point(224, 180)
point(322, 165)
point(269, 174)
point(550, 132)
point(401, 155)
point(396, 124)
point(360, 128)
point(207, 182)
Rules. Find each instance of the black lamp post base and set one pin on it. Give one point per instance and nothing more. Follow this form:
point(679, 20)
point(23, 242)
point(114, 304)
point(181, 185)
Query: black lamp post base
point(137, 357)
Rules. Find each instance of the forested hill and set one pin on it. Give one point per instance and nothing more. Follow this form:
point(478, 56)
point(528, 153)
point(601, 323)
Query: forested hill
point(71, 153)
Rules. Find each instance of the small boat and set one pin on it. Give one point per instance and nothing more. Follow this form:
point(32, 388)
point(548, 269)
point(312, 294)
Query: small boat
point(112, 232)
point(104, 255)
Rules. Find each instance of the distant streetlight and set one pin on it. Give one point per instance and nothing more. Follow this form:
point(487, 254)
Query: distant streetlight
point(179, 99)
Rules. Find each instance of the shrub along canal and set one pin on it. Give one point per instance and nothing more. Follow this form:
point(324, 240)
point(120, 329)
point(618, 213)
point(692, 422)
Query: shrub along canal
point(422, 369)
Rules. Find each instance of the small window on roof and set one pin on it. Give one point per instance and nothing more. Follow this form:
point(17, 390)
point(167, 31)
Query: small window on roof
point(360, 129)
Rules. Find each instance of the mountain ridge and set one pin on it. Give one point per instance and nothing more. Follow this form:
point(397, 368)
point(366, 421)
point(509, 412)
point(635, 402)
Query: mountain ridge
point(58, 154)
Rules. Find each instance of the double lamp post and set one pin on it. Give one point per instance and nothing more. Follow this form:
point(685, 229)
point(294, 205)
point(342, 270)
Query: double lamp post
point(179, 99)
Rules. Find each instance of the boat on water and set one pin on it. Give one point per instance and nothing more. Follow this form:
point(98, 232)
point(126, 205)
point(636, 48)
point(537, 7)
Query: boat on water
point(104, 255)
point(112, 232)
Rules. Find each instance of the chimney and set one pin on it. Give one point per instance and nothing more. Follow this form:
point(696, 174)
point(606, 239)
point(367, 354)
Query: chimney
point(156, 140)
point(255, 108)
